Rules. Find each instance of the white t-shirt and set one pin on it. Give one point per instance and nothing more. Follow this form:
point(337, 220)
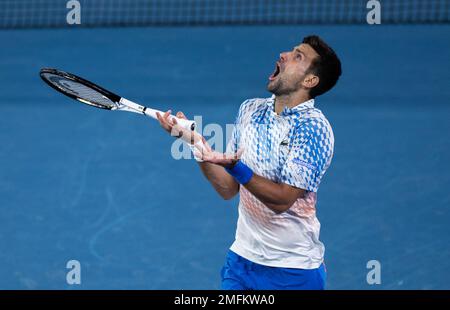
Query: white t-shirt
point(294, 147)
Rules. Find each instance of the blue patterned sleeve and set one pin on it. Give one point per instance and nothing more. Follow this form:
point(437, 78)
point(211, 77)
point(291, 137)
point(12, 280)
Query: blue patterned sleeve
point(311, 151)
point(233, 143)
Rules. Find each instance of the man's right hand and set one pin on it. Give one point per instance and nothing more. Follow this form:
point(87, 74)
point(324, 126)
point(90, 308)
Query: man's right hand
point(213, 169)
point(170, 125)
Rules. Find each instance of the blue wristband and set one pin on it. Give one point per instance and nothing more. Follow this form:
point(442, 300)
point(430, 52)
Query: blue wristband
point(241, 172)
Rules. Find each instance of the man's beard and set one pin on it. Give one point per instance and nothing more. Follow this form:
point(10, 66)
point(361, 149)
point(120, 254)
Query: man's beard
point(280, 87)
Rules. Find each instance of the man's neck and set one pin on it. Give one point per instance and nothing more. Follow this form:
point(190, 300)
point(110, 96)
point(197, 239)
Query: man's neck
point(289, 101)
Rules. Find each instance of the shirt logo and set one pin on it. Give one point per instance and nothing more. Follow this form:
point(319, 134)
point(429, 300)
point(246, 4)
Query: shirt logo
point(303, 163)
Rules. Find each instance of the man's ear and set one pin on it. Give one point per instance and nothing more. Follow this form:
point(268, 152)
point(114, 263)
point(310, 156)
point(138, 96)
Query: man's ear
point(310, 81)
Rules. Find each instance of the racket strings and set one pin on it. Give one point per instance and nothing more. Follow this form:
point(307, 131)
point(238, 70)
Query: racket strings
point(83, 93)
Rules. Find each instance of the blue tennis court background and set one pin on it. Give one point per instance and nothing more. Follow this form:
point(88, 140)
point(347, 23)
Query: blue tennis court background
point(102, 187)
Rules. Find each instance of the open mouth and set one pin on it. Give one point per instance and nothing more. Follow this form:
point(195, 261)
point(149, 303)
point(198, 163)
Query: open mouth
point(275, 72)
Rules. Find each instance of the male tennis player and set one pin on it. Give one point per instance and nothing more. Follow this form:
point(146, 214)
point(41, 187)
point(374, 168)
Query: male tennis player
point(287, 146)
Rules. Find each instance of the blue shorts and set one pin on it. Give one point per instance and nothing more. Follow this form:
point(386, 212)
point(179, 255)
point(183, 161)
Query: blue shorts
point(239, 273)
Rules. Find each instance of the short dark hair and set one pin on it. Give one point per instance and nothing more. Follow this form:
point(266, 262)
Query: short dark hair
point(327, 66)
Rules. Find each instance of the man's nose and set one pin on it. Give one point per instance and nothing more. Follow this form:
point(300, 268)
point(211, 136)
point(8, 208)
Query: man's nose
point(283, 56)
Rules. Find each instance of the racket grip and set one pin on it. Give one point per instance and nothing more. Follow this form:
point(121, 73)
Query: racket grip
point(185, 123)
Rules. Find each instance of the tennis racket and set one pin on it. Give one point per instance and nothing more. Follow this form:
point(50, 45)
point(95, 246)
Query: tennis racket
point(89, 93)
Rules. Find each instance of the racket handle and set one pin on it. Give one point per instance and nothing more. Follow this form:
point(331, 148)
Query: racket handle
point(185, 123)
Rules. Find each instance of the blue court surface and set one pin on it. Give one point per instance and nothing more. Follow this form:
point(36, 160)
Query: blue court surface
point(102, 187)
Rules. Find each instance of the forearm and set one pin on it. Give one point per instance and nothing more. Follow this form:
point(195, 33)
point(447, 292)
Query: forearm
point(271, 194)
point(222, 182)
point(278, 197)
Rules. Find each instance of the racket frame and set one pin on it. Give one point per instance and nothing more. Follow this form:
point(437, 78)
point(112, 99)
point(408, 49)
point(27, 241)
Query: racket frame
point(121, 104)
